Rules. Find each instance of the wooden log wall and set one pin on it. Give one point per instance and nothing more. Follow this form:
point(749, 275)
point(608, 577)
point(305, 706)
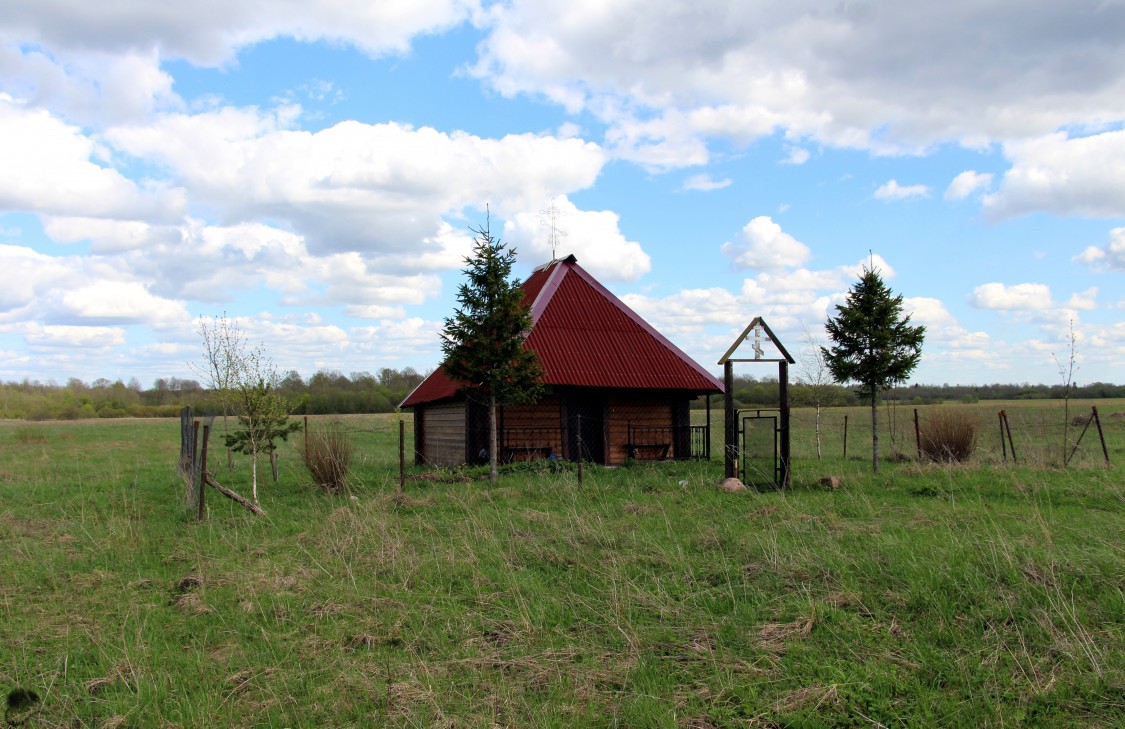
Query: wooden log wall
point(444, 443)
point(533, 425)
point(652, 411)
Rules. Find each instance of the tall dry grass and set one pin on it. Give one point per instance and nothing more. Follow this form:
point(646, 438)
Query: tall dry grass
point(948, 436)
point(327, 454)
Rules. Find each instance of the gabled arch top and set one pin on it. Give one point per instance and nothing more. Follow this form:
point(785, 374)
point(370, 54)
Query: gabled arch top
point(758, 321)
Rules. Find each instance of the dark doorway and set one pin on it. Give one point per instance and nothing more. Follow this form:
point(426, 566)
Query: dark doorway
point(586, 415)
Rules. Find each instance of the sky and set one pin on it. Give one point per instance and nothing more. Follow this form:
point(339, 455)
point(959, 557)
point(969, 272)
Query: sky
point(314, 170)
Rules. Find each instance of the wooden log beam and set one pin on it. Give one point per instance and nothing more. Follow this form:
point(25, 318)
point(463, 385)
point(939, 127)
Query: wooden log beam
point(232, 495)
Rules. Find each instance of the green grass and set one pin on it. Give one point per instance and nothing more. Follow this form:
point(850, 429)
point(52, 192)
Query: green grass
point(925, 596)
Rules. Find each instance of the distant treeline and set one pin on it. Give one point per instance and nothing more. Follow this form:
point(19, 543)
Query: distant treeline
point(325, 392)
point(751, 391)
point(332, 392)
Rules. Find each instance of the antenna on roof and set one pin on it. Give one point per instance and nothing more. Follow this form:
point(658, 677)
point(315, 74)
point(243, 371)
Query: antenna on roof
point(550, 218)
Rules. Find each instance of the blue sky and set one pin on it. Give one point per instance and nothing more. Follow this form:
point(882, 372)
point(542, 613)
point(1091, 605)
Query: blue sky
point(312, 171)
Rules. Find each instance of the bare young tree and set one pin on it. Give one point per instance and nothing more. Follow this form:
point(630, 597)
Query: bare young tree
point(223, 343)
point(1067, 368)
point(263, 416)
point(244, 379)
point(814, 375)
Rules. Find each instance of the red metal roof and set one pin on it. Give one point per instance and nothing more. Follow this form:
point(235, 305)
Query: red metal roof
point(587, 337)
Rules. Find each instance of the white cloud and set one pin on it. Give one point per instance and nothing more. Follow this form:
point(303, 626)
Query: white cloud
point(765, 245)
point(1063, 175)
point(885, 77)
point(89, 87)
point(967, 183)
point(942, 327)
point(52, 167)
point(891, 190)
point(873, 262)
point(705, 183)
point(593, 236)
point(785, 299)
point(395, 339)
point(1111, 257)
point(74, 290)
point(657, 144)
point(109, 236)
point(77, 337)
point(118, 302)
point(797, 156)
point(208, 32)
point(372, 188)
point(1084, 300)
point(1025, 296)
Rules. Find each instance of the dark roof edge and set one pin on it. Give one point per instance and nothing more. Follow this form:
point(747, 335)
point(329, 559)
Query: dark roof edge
point(547, 291)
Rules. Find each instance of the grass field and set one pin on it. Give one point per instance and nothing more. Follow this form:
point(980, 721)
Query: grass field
point(980, 595)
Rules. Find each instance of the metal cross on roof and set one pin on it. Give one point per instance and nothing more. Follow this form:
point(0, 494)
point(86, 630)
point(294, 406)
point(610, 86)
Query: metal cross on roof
point(549, 218)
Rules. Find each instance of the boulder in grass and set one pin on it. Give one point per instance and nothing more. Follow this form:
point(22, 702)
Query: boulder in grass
point(732, 485)
point(832, 482)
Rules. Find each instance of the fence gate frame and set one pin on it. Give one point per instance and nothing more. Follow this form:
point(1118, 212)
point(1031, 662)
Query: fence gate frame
point(773, 415)
point(731, 452)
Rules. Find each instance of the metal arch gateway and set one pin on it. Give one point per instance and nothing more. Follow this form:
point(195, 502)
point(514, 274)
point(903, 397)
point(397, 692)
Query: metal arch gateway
point(745, 437)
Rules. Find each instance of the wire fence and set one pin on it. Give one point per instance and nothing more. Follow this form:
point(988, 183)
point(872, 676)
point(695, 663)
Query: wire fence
point(1044, 435)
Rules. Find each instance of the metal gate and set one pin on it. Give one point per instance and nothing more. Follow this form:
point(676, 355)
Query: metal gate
point(758, 434)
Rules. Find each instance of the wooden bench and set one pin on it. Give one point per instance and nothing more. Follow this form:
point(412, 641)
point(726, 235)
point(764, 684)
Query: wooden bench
point(659, 449)
point(654, 439)
point(529, 452)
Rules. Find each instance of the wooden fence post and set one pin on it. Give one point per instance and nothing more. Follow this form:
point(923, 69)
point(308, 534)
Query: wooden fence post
point(1003, 443)
point(845, 435)
point(1008, 428)
point(1101, 437)
point(730, 424)
point(187, 441)
point(402, 456)
point(917, 435)
point(201, 513)
point(579, 432)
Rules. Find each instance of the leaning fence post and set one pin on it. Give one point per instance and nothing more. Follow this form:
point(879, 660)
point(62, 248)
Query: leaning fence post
point(845, 435)
point(1003, 443)
point(1101, 437)
point(1008, 428)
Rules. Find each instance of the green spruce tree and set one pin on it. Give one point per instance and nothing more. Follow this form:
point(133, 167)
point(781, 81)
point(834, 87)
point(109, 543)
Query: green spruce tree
point(483, 340)
point(873, 344)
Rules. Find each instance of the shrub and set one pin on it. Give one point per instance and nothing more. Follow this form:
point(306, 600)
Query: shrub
point(327, 454)
point(948, 436)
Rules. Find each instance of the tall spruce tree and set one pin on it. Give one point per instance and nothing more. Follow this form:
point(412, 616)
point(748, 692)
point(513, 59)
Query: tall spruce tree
point(872, 344)
point(483, 340)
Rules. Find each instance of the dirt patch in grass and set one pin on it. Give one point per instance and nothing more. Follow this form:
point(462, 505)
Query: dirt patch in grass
point(190, 603)
point(809, 697)
point(41, 529)
point(773, 637)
